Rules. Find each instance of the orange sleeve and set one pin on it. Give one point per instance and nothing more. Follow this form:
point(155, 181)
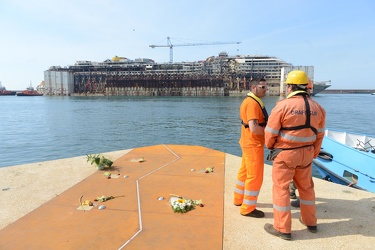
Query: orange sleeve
point(273, 127)
point(320, 136)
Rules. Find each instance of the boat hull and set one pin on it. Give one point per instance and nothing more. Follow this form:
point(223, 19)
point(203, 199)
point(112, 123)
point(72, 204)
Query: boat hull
point(30, 91)
point(352, 163)
point(8, 93)
point(331, 176)
point(23, 94)
point(317, 88)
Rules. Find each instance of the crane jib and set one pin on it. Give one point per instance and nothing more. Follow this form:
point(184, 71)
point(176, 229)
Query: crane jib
point(170, 46)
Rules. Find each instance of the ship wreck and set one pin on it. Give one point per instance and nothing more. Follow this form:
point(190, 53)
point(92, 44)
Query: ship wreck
point(221, 75)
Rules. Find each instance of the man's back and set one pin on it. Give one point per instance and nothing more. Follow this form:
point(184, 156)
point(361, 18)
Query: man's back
point(291, 113)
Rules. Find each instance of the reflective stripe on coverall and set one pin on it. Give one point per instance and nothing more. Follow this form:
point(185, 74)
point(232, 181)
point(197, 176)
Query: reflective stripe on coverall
point(295, 163)
point(250, 175)
point(249, 179)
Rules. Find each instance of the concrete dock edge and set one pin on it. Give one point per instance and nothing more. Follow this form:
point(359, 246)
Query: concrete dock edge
point(345, 215)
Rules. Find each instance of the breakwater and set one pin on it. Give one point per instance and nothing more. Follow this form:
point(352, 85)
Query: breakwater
point(348, 91)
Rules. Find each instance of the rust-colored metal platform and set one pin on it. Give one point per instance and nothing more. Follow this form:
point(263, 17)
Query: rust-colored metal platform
point(138, 220)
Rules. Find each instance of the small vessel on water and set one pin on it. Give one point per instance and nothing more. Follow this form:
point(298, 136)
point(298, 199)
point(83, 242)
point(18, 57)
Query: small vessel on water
point(3, 91)
point(30, 91)
point(347, 159)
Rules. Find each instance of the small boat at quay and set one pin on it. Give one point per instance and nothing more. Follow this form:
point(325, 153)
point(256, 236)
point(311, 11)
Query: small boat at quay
point(3, 91)
point(30, 91)
point(347, 159)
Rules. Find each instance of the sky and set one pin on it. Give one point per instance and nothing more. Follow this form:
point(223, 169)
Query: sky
point(336, 37)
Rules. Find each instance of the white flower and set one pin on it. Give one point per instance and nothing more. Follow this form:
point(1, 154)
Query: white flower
point(181, 205)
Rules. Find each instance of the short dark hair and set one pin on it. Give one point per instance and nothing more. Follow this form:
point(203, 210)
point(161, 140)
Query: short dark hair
point(297, 87)
point(255, 81)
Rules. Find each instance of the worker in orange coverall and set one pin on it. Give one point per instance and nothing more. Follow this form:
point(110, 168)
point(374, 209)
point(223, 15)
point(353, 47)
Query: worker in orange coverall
point(292, 187)
point(254, 117)
point(294, 135)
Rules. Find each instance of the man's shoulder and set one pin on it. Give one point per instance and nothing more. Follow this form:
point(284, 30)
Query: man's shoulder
point(282, 101)
point(249, 100)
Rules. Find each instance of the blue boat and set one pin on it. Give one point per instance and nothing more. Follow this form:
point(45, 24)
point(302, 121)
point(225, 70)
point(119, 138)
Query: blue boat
point(347, 159)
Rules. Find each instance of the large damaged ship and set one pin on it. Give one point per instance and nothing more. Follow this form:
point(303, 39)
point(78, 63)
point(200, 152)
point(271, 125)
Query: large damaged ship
point(221, 75)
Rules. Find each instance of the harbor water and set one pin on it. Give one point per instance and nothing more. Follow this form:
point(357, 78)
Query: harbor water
point(35, 129)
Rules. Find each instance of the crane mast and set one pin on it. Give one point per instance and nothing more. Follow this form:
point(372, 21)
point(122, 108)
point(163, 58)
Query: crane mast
point(170, 45)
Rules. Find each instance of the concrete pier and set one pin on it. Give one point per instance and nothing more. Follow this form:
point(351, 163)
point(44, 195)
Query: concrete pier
point(345, 215)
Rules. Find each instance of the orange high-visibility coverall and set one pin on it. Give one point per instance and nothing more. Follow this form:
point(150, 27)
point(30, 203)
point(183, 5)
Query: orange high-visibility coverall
point(250, 175)
point(295, 163)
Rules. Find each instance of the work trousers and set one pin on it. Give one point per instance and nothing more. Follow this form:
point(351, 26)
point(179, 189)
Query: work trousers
point(249, 179)
point(293, 165)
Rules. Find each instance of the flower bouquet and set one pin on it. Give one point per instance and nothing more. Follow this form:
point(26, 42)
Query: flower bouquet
point(100, 161)
point(182, 205)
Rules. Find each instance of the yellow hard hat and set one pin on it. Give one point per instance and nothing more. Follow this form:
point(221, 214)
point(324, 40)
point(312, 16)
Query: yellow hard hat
point(297, 77)
point(309, 84)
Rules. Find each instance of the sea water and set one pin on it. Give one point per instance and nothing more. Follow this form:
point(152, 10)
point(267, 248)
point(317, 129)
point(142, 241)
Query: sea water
point(34, 129)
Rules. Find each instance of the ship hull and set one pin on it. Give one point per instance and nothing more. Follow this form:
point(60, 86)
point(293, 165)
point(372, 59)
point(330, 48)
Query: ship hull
point(317, 88)
point(8, 93)
point(23, 94)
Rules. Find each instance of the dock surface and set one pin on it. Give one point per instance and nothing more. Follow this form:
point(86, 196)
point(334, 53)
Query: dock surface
point(43, 205)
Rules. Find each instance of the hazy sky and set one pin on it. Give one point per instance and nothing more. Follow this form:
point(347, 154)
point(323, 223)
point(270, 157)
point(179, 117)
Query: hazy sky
point(337, 37)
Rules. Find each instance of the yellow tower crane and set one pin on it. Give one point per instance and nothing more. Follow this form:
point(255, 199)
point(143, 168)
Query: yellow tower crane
point(170, 45)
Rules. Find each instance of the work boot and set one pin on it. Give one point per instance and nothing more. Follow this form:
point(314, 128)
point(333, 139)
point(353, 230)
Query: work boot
point(271, 230)
point(255, 213)
point(292, 190)
point(312, 229)
point(295, 203)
